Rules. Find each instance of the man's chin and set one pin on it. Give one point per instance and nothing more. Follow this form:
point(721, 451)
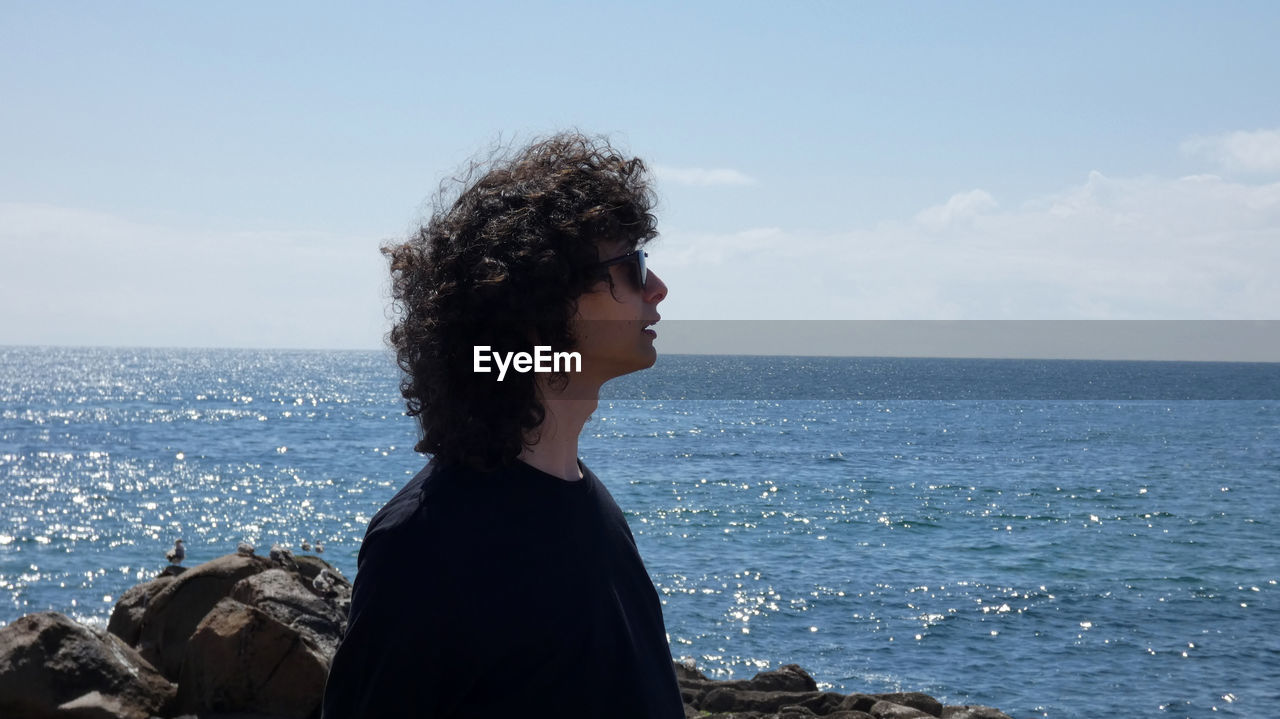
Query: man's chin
point(642, 362)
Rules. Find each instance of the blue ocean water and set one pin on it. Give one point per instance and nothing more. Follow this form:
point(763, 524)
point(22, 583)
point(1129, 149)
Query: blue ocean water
point(987, 532)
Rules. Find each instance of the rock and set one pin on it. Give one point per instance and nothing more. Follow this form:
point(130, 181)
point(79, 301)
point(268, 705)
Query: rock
point(788, 678)
point(824, 703)
point(733, 699)
point(126, 617)
point(174, 612)
point(690, 696)
point(972, 712)
point(688, 671)
point(790, 692)
point(859, 703)
point(52, 666)
point(234, 715)
point(240, 659)
point(251, 638)
point(915, 700)
point(96, 706)
point(282, 595)
point(889, 710)
point(309, 567)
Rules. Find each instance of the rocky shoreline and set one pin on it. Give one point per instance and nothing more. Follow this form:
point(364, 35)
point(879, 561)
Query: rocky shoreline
point(252, 637)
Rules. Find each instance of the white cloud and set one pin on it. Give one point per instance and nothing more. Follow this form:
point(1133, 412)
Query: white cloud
point(1109, 248)
point(1198, 247)
point(960, 207)
point(73, 276)
point(702, 177)
point(1257, 151)
point(707, 250)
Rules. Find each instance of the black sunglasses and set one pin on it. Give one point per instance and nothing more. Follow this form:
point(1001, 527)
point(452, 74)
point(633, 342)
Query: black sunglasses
point(642, 272)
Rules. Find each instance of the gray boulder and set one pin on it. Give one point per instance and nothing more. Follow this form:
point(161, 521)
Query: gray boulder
point(695, 687)
point(892, 710)
point(788, 678)
point(791, 693)
point(126, 617)
point(687, 671)
point(283, 596)
point(50, 666)
point(240, 659)
point(732, 699)
point(973, 711)
point(96, 705)
point(309, 566)
point(915, 700)
point(173, 613)
point(858, 702)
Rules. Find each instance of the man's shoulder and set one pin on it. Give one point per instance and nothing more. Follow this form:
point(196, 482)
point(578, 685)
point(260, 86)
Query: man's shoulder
point(401, 528)
point(436, 481)
point(445, 493)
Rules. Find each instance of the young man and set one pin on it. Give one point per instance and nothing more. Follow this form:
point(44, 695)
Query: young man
point(503, 578)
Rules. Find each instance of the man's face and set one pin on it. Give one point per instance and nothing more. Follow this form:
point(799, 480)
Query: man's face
point(611, 327)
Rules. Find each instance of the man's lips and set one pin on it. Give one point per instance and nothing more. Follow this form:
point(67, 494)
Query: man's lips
point(648, 325)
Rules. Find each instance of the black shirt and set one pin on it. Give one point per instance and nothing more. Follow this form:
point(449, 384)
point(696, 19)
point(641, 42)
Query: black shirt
point(512, 591)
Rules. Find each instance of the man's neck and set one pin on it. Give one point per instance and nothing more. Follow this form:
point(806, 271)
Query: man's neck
point(556, 451)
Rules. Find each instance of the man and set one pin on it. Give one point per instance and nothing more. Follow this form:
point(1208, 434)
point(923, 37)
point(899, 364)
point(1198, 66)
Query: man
point(503, 578)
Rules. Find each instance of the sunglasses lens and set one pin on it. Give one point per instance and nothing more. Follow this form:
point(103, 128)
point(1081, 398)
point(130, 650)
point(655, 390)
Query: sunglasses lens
point(634, 260)
point(641, 271)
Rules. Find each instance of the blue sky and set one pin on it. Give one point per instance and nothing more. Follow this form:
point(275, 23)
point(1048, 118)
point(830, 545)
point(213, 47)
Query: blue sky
point(176, 174)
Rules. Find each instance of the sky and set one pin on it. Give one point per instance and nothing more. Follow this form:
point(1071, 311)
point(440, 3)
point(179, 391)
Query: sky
point(222, 174)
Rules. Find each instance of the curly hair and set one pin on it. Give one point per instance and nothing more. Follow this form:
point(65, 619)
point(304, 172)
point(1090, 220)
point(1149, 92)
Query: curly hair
point(503, 266)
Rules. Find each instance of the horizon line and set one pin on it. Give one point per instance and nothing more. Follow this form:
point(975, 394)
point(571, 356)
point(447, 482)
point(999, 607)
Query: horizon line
point(389, 351)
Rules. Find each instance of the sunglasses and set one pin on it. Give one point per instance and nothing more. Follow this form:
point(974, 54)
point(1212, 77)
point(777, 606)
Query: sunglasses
point(641, 274)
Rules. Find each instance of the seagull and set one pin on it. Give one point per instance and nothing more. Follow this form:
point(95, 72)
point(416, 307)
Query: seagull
point(283, 557)
point(323, 582)
point(177, 554)
point(319, 548)
point(244, 549)
point(306, 546)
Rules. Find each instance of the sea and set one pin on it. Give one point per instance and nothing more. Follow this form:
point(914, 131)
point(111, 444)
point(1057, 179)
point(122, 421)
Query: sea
point(1052, 538)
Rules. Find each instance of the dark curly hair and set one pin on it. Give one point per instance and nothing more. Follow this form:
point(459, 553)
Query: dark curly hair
point(503, 265)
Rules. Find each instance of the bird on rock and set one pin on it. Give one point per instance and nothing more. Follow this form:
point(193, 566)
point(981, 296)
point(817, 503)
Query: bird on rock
point(282, 557)
point(306, 546)
point(324, 581)
point(177, 554)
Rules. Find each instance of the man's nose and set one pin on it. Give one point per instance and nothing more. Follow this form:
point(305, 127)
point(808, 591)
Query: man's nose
point(655, 290)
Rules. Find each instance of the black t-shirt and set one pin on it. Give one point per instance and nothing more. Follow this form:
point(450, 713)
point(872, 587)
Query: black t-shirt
point(508, 592)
